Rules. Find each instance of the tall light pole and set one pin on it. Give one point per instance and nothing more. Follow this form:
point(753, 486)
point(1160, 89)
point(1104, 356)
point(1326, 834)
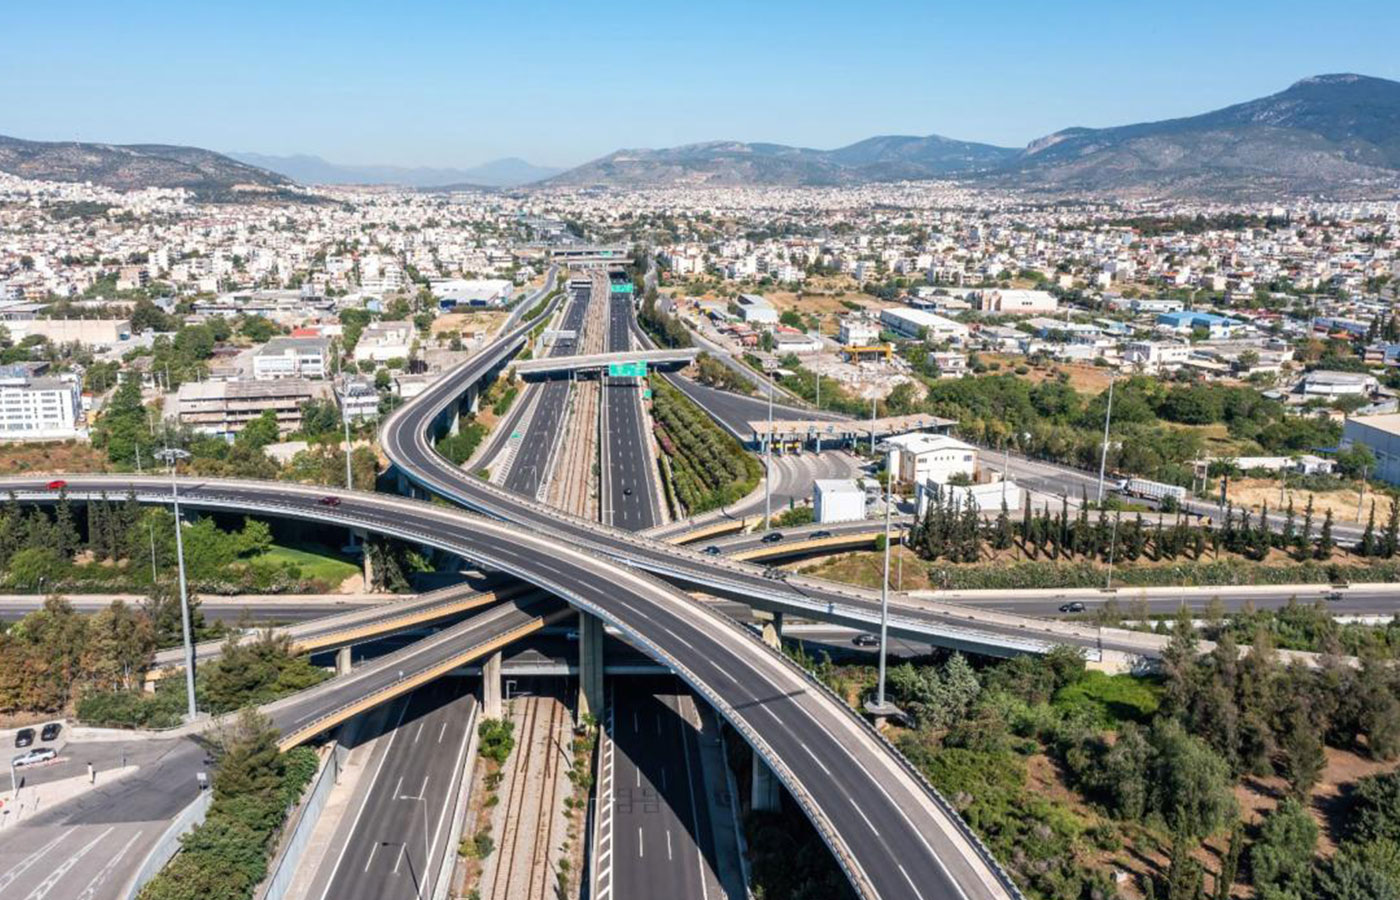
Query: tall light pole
point(768, 464)
point(885, 580)
point(1103, 453)
point(345, 420)
point(172, 456)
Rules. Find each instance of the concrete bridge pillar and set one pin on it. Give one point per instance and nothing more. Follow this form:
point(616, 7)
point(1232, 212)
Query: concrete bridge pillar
point(491, 686)
point(342, 661)
point(773, 631)
point(765, 794)
point(590, 665)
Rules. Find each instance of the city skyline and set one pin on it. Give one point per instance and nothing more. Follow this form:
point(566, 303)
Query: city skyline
point(458, 88)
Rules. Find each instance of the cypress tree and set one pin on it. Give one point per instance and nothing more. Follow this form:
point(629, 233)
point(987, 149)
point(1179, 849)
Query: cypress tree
point(1392, 531)
point(1367, 547)
point(1305, 536)
point(1324, 540)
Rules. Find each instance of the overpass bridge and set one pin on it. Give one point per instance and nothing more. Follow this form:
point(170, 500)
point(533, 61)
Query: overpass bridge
point(593, 362)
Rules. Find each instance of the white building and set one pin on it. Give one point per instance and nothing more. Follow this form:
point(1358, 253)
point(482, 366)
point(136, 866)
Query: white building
point(358, 399)
point(39, 408)
point(838, 500)
point(913, 323)
point(757, 310)
point(1015, 302)
point(287, 357)
point(987, 497)
point(383, 341)
point(919, 457)
point(858, 332)
point(1337, 384)
point(472, 292)
point(1156, 356)
point(1382, 435)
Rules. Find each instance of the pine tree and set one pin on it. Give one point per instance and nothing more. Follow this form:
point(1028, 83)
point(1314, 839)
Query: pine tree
point(66, 532)
point(1367, 547)
point(1392, 531)
point(1304, 544)
point(1287, 537)
point(1230, 867)
point(1324, 540)
point(1001, 535)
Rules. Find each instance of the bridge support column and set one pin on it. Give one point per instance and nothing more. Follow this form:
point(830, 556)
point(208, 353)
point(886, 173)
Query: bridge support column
point(342, 661)
point(765, 794)
point(491, 686)
point(590, 665)
point(773, 631)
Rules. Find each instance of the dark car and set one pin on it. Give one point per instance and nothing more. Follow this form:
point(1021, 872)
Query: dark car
point(1333, 596)
point(24, 737)
point(1073, 607)
point(329, 501)
point(50, 731)
point(712, 550)
point(772, 537)
point(627, 492)
point(818, 535)
point(865, 639)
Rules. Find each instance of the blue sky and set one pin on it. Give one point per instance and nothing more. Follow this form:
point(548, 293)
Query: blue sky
point(457, 83)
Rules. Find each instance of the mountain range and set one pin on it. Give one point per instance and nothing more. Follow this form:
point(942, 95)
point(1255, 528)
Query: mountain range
point(501, 173)
point(209, 175)
point(1336, 134)
point(1332, 135)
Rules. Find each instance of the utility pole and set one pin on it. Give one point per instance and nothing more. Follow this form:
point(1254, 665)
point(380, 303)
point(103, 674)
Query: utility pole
point(1103, 453)
point(768, 464)
point(1362, 498)
point(172, 457)
point(885, 581)
point(872, 424)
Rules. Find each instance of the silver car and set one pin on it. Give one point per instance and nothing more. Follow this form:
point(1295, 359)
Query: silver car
point(33, 757)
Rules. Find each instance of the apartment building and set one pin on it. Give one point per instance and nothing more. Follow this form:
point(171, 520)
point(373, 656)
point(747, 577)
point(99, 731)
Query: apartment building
point(291, 357)
point(223, 408)
point(38, 408)
point(1155, 356)
point(358, 400)
point(858, 332)
point(913, 323)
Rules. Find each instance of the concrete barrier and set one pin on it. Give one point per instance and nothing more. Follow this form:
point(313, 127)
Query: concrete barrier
point(298, 835)
point(169, 843)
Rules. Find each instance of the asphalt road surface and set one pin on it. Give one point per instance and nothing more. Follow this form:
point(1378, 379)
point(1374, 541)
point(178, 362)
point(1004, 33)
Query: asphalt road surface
point(531, 462)
point(392, 840)
point(629, 496)
point(663, 843)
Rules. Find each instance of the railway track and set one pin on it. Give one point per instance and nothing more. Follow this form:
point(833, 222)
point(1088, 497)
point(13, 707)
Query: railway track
point(523, 862)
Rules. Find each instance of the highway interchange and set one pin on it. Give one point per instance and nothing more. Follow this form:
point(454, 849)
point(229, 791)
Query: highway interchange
point(833, 764)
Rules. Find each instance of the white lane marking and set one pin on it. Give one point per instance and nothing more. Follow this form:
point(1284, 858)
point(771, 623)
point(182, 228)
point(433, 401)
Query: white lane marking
point(912, 886)
point(441, 732)
point(369, 859)
point(861, 812)
point(398, 861)
point(398, 788)
point(364, 801)
point(28, 862)
point(419, 733)
point(90, 891)
point(815, 759)
point(57, 875)
point(668, 843)
point(640, 848)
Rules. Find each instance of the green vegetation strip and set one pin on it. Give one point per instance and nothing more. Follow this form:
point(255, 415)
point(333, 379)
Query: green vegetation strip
point(708, 466)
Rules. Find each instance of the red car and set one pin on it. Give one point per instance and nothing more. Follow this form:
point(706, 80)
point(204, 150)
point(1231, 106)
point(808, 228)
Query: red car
point(329, 501)
point(57, 484)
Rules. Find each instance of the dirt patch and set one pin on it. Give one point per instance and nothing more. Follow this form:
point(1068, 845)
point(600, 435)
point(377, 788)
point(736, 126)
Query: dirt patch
point(64, 456)
point(484, 322)
point(907, 571)
point(1254, 492)
point(1084, 377)
point(355, 584)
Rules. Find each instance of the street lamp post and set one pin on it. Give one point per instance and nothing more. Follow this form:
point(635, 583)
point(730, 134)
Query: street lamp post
point(1103, 453)
point(885, 580)
point(768, 464)
point(172, 457)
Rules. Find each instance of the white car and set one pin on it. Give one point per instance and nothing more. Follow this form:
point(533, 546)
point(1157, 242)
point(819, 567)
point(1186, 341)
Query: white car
point(43, 754)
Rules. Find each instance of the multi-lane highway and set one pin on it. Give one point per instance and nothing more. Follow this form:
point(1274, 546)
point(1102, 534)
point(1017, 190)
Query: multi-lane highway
point(832, 762)
point(628, 488)
point(531, 464)
point(390, 844)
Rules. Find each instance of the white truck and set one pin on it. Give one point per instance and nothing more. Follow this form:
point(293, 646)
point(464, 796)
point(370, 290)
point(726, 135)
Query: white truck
point(1150, 490)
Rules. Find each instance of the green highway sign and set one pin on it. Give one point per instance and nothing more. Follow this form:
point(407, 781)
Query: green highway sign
point(646, 394)
point(622, 288)
point(628, 369)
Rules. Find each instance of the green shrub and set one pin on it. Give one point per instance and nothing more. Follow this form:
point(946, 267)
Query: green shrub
point(1105, 701)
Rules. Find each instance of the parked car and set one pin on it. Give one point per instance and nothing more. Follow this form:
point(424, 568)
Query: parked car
point(1073, 607)
point(866, 639)
point(329, 501)
point(57, 484)
point(772, 537)
point(50, 731)
point(24, 737)
point(42, 754)
point(818, 535)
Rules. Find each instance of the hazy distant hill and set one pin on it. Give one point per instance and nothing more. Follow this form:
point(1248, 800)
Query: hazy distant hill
point(719, 163)
point(1332, 133)
point(1336, 134)
point(130, 166)
point(508, 172)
